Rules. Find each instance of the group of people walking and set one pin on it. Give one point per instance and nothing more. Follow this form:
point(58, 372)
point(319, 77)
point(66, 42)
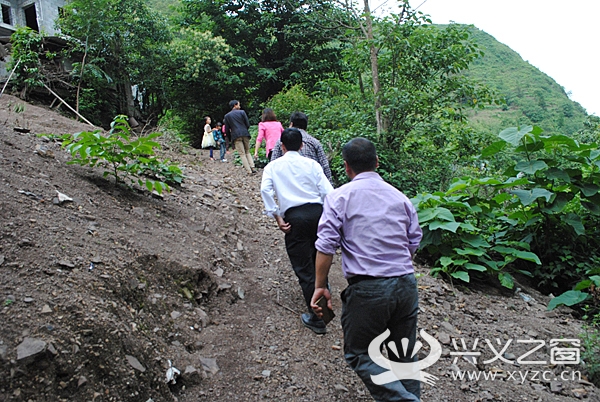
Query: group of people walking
point(234, 131)
point(377, 228)
point(374, 224)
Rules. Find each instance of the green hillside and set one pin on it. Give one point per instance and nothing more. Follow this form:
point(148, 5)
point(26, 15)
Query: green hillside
point(532, 97)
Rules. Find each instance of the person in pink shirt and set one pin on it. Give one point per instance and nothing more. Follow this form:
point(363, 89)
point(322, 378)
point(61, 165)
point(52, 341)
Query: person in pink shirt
point(270, 130)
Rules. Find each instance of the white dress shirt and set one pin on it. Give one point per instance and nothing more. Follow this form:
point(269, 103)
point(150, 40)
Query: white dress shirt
point(295, 180)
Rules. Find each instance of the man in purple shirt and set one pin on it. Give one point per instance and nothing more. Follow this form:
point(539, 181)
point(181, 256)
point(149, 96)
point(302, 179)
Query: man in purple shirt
point(378, 230)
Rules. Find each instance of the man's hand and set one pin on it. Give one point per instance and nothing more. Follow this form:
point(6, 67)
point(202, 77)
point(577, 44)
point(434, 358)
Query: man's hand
point(320, 292)
point(284, 226)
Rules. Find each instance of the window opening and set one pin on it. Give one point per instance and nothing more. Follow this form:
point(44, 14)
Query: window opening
point(6, 14)
point(31, 17)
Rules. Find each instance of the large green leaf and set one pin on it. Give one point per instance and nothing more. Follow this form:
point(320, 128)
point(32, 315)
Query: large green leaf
point(502, 197)
point(457, 186)
point(530, 147)
point(514, 135)
point(493, 149)
point(569, 298)
point(527, 197)
point(462, 275)
point(487, 181)
point(506, 280)
point(530, 167)
point(430, 238)
point(559, 203)
point(445, 214)
point(468, 226)
point(513, 182)
point(585, 284)
point(475, 267)
point(558, 174)
point(426, 214)
point(589, 189)
point(449, 226)
point(469, 251)
point(474, 240)
point(524, 255)
point(575, 222)
point(593, 208)
point(562, 139)
point(437, 212)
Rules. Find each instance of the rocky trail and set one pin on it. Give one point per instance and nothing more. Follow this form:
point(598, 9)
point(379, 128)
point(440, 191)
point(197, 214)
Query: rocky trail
point(102, 294)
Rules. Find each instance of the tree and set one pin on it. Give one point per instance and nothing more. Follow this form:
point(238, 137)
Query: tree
point(276, 43)
point(198, 71)
point(122, 37)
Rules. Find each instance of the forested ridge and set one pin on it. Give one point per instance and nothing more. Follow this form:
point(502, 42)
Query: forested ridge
point(502, 166)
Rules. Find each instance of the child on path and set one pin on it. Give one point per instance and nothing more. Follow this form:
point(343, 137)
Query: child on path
point(218, 136)
point(208, 140)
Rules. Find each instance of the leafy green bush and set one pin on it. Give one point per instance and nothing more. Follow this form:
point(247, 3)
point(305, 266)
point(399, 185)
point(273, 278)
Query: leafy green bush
point(545, 210)
point(26, 49)
point(465, 231)
point(125, 158)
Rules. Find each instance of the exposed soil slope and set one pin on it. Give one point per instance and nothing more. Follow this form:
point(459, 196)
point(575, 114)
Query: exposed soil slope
point(200, 278)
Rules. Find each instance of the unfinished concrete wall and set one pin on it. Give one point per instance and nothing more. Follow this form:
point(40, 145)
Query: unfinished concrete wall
point(36, 14)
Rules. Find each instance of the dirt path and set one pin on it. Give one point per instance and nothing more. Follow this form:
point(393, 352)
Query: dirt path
point(200, 278)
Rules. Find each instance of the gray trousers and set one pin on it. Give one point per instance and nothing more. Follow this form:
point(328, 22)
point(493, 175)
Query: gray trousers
point(369, 308)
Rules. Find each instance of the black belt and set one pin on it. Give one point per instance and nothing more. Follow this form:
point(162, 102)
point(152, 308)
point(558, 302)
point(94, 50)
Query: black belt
point(359, 278)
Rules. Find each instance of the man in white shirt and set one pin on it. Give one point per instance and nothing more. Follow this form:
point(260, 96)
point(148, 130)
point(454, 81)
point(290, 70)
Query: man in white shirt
point(300, 187)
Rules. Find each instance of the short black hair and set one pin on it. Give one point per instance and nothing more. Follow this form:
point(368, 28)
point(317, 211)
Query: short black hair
point(299, 120)
point(360, 155)
point(292, 139)
point(233, 103)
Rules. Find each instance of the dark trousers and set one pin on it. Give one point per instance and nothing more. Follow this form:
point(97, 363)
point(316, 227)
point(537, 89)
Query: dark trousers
point(300, 245)
point(369, 308)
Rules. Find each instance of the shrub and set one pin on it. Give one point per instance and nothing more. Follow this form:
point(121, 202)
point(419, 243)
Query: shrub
point(125, 158)
point(545, 210)
point(27, 45)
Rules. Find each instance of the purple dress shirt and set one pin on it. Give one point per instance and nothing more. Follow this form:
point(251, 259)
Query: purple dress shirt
point(375, 224)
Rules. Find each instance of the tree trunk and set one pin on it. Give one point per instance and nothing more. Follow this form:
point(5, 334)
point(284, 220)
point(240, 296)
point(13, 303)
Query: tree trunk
point(373, 50)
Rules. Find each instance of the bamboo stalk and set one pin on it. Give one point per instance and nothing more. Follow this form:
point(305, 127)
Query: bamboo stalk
point(10, 76)
point(67, 105)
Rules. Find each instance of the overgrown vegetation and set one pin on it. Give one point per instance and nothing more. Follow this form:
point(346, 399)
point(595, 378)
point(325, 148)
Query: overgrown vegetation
point(27, 46)
point(124, 158)
point(544, 210)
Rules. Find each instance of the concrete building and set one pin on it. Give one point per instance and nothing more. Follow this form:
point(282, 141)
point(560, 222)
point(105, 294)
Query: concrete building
point(39, 15)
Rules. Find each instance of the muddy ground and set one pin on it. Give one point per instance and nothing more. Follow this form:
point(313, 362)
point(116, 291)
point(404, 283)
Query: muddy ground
point(99, 294)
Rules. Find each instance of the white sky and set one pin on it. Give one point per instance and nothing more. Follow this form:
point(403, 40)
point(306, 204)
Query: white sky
point(561, 38)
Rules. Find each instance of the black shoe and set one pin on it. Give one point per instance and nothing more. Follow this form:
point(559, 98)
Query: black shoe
point(314, 323)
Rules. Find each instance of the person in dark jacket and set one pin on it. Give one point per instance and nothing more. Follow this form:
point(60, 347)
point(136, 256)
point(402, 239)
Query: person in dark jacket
point(236, 123)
